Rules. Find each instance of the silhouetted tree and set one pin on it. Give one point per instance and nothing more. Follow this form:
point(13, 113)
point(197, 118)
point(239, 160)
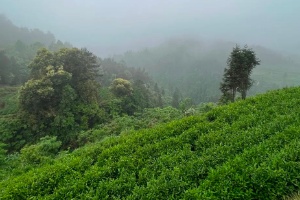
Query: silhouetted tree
point(236, 78)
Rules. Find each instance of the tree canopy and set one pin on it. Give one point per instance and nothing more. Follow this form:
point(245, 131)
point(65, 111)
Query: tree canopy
point(62, 94)
point(236, 78)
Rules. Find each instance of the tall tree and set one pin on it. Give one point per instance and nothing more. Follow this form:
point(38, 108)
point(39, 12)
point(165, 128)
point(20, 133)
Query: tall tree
point(236, 77)
point(83, 65)
point(10, 70)
point(158, 96)
point(4, 68)
point(121, 87)
point(176, 98)
point(123, 90)
point(141, 95)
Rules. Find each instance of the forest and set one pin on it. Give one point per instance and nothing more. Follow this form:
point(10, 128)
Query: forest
point(185, 119)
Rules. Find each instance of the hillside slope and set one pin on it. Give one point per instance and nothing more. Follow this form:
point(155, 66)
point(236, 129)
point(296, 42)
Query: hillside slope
point(246, 150)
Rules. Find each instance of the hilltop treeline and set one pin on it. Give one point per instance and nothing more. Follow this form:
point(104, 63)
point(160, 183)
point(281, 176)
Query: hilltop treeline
point(10, 34)
point(65, 90)
point(18, 47)
point(196, 67)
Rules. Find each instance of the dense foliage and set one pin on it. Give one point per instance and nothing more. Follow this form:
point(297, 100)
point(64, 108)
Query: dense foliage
point(62, 95)
point(246, 150)
point(141, 91)
point(10, 72)
point(10, 125)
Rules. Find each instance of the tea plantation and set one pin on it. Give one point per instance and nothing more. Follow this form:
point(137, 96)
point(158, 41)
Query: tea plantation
point(245, 150)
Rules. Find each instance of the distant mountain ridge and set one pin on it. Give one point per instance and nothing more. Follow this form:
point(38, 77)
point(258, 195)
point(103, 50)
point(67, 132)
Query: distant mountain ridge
point(18, 47)
point(10, 34)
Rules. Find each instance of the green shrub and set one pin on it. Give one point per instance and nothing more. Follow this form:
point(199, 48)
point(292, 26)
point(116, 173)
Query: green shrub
point(2, 154)
point(41, 152)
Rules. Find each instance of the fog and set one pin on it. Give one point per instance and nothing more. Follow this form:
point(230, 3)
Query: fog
point(109, 27)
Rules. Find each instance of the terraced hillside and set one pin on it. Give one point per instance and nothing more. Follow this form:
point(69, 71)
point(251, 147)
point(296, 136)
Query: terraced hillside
point(246, 150)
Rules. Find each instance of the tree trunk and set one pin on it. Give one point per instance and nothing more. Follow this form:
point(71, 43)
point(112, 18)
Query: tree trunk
point(233, 94)
point(244, 94)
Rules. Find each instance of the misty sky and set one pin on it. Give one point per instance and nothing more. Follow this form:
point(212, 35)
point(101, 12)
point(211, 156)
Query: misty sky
point(112, 26)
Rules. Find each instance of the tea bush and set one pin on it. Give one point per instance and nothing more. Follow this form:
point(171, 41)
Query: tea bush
point(245, 150)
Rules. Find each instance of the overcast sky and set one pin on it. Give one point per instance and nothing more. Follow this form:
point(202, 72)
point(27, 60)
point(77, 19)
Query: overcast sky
point(111, 26)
